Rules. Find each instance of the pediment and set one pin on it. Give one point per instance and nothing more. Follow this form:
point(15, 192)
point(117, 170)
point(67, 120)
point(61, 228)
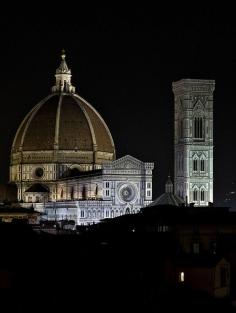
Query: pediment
point(126, 162)
point(199, 106)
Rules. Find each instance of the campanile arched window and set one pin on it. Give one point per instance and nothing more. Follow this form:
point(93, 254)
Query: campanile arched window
point(195, 165)
point(198, 128)
point(202, 167)
point(195, 195)
point(202, 196)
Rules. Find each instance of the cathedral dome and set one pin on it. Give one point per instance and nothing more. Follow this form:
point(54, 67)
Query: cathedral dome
point(63, 128)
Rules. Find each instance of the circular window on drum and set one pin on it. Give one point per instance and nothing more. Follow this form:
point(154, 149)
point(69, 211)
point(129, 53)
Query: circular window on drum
point(127, 193)
point(39, 172)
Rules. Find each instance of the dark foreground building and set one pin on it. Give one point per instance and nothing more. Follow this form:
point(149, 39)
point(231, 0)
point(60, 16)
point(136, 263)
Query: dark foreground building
point(164, 258)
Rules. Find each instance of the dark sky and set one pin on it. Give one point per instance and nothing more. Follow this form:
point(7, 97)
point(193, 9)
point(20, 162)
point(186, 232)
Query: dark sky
point(123, 62)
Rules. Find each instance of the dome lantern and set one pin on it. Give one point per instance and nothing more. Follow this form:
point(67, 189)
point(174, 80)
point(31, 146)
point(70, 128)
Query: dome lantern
point(63, 77)
point(169, 185)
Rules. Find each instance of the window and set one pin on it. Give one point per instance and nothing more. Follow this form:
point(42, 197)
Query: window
point(202, 167)
point(84, 192)
point(107, 185)
point(198, 128)
point(202, 195)
point(213, 247)
point(72, 193)
point(181, 133)
point(223, 276)
point(195, 195)
point(196, 247)
point(82, 213)
point(149, 193)
point(148, 185)
point(127, 211)
point(162, 228)
point(195, 165)
point(107, 193)
point(181, 277)
point(96, 191)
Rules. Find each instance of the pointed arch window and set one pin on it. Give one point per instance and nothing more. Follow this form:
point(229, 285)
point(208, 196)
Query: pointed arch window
point(202, 197)
point(195, 195)
point(198, 128)
point(202, 165)
point(127, 211)
point(195, 167)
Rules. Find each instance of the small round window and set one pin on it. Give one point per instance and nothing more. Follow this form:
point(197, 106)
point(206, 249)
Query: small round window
point(39, 172)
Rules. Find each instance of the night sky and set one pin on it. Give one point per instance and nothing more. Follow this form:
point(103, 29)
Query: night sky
point(123, 62)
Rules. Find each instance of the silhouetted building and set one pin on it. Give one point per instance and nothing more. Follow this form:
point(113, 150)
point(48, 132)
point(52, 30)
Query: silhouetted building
point(8, 193)
point(168, 198)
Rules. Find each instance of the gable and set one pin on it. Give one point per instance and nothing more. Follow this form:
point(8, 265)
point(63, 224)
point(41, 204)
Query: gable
point(126, 162)
point(199, 107)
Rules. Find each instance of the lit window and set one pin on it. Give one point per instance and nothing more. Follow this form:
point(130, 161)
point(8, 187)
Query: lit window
point(181, 277)
point(162, 228)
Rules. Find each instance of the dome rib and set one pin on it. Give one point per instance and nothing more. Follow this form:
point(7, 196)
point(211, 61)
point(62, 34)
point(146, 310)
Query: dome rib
point(20, 128)
point(101, 119)
point(26, 132)
point(89, 123)
point(57, 126)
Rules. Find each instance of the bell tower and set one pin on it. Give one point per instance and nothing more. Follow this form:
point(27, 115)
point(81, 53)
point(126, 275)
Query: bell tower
point(193, 140)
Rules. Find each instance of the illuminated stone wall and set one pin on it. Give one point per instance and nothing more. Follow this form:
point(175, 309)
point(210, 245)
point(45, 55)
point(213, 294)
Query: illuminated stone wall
point(194, 140)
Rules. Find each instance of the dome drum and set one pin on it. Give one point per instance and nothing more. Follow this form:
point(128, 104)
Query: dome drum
point(61, 156)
